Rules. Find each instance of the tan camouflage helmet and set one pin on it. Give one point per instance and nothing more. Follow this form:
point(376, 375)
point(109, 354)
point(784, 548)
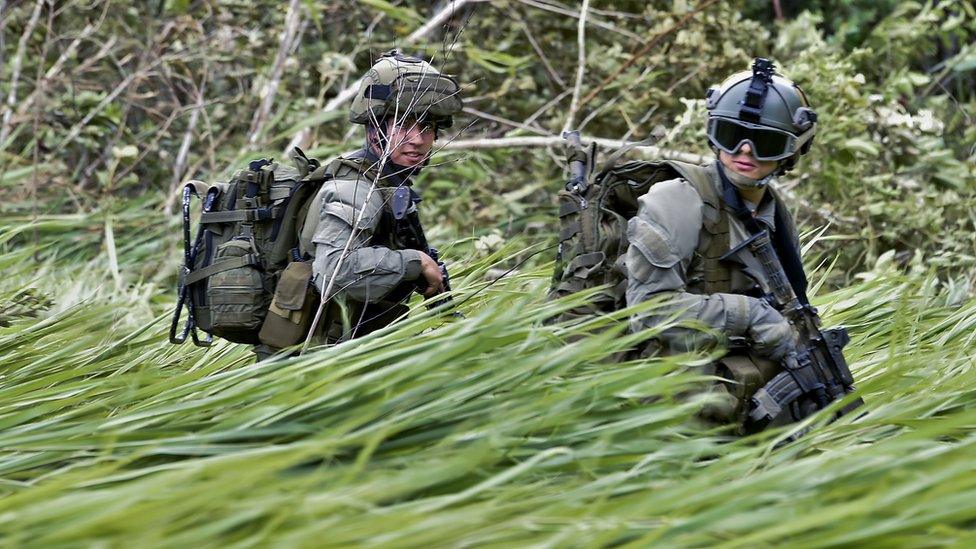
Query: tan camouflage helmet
point(398, 85)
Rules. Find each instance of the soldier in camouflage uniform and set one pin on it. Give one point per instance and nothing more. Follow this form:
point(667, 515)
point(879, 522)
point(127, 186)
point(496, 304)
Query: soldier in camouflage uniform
point(362, 226)
point(685, 239)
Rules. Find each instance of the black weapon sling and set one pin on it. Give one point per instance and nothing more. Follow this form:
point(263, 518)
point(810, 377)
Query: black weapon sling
point(786, 252)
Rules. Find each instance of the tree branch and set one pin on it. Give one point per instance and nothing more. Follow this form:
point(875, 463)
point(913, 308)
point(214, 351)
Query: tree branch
point(639, 54)
point(580, 64)
point(274, 80)
point(15, 70)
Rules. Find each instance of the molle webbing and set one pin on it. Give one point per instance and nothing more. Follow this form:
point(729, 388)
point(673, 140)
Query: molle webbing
point(225, 265)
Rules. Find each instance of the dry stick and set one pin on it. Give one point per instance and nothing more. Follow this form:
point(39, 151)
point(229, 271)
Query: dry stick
point(580, 64)
point(55, 69)
point(644, 50)
point(3, 33)
point(67, 54)
point(538, 51)
point(179, 166)
point(570, 13)
point(346, 94)
point(107, 100)
point(271, 87)
point(15, 71)
point(40, 83)
point(507, 122)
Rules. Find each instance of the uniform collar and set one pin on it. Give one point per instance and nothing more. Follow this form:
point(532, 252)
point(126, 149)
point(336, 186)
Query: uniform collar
point(765, 211)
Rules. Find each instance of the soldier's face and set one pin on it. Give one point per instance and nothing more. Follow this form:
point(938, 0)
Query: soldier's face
point(411, 142)
point(743, 163)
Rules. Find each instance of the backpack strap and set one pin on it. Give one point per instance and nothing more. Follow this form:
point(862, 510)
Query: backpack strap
point(718, 277)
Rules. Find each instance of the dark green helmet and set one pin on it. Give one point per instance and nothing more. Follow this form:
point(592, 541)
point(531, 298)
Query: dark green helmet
point(764, 108)
point(400, 85)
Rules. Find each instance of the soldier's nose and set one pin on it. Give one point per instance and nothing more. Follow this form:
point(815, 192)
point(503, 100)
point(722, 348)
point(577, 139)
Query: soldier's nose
point(414, 135)
point(745, 148)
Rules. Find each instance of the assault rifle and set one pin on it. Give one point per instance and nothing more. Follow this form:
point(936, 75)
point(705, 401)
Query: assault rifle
point(816, 374)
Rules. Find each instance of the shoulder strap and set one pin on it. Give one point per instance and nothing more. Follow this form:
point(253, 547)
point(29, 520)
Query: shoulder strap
point(718, 277)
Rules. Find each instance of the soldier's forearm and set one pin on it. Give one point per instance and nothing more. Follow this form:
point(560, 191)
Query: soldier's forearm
point(685, 315)
point(365, 274)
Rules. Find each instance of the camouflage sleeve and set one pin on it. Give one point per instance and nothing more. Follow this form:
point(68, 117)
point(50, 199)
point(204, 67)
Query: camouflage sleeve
point(663, 237)
point(365, 273)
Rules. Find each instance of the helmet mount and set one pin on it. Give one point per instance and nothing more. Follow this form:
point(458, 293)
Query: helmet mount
point(762, 76)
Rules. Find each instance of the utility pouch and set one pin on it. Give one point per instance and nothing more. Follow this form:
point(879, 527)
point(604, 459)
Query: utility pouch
point(236, 291)
point(745, 374)
point(291, 311)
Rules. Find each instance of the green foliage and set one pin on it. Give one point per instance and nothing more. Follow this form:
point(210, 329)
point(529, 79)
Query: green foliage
point(498, 428)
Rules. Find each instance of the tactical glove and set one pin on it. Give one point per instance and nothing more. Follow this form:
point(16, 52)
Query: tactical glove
point(770, 334)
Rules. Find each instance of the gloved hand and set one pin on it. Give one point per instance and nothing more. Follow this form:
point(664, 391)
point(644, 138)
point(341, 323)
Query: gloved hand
point(770, 333)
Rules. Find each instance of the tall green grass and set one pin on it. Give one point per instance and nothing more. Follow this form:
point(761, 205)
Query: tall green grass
point(495, 429)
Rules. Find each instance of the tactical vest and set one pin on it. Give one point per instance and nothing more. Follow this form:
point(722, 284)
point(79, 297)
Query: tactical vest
point(593, 234)
point(345, 318)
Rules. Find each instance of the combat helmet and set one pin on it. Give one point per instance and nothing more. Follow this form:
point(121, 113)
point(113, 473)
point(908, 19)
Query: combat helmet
point(398, 85)
point(764, 108)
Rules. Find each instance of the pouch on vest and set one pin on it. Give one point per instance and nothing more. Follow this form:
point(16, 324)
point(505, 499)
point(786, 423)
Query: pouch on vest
point(291, 311)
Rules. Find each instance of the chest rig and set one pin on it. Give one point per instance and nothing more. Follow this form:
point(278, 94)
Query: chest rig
point(398, 228)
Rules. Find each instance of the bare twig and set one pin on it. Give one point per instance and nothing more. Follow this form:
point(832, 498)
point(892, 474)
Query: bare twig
point(3, 34)
point(507, 122)
point(107, 100)
point(40, 85)
point(15, 70)
point(274, 79)
point(179, 166)
point(539, 51)
point(580, 64)
point(558, 8)
point(66, 54)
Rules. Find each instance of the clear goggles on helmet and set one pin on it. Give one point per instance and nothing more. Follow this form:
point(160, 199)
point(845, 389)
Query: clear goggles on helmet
point(766, 143)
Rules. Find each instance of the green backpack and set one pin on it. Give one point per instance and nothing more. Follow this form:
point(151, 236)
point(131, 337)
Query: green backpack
point(245, 260)
point(593, 218)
